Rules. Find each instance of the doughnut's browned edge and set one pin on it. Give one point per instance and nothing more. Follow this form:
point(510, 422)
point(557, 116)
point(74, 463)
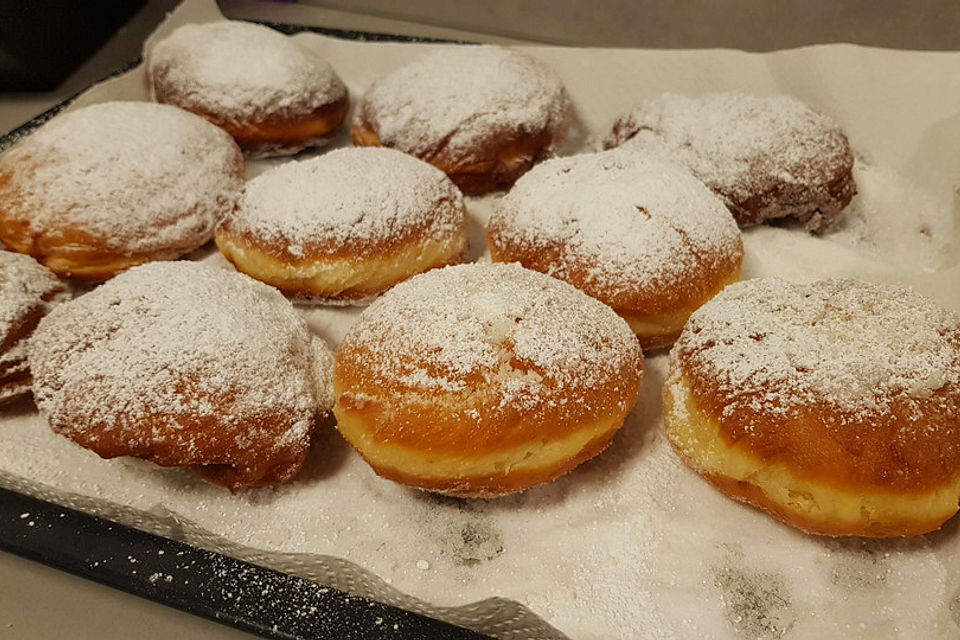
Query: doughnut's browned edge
point(289, 129)
point(842, 461)
point(494, 485)
point(495, 165)
point(70, 251)
point(665, 306)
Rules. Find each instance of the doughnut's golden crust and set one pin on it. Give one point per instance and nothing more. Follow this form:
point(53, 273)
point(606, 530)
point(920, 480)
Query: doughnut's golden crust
point(429, 440)
point(273, 131)
point(70, 251)
point(856, 480)
point(495, 164)
point(337, 274)
point(655, 313)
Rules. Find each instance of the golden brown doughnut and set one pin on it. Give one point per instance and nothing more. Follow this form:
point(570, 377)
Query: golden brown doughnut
point(483, 115)
point(28, 291)
point(106, 187)
point(484, 379)
point(185, 365)
point(274, 96)
point(641, 235)
point(834, 406)
point(345, 226)
point(765, 157)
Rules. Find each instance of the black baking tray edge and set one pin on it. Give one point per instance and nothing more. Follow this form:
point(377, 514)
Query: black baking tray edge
point(237, 593)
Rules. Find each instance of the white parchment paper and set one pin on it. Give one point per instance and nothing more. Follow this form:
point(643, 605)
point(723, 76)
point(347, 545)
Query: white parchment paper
point(632, 544)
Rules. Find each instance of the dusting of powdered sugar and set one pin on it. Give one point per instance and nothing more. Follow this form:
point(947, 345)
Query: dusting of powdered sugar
point(357, 199)
point(136, 176)
point(743, 147)
point(856, 345)
point(438, 329)
point(26, 287)
point(631, 222)
point(452, 99)
point(240, 71)
point(164, 345)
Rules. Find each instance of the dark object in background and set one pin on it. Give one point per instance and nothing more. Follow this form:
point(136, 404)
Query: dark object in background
point(44, 41)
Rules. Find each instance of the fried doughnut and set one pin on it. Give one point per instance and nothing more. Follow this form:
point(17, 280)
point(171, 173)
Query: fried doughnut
point(274, 96)
point(482, 114)
point(765, 157)
point(109, 186)
point(345, 226)
point(639, 234)
point(187, 365)
point(28, 291)
point(834, 406)
point(507, 380)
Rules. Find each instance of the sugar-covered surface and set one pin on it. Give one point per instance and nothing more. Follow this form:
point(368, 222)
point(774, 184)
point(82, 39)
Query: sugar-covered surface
point(631, 544)
point(242, 71)
point(363, 201)
point(453, 99)
point(136, 177)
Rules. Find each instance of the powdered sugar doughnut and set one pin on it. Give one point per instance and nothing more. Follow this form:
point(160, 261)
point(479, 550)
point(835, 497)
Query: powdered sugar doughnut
point(109, 186)
point(638, 234)
point(834, 406)
point(185, 365)
point(345, 226)
point(508, 379)
point(274, 96)
point(484, 115)
point(28, 291)
point(766, 157)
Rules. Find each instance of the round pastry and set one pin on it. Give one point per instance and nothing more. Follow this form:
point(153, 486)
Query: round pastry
point(639, 234)
point(482, 114)
point(274, 96)
point(507, 380)
point(184, 364)
point(109, 186)
point(345, 226)
point(766, 157)
point(833, 406)
point(27, 292)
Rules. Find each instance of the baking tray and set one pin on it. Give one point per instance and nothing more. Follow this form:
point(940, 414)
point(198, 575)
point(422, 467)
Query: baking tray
point(202, 582)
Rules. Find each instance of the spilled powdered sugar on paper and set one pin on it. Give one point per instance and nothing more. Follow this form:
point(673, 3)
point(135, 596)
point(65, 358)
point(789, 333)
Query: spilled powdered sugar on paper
point(242, 71)
point(359, 200)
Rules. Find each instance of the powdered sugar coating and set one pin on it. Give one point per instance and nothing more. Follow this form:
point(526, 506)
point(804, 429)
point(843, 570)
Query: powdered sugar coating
point(438, 330)
point(165, 348)
point(625, 224)
point(766, 157)
point(241, 72)
point(358, 201)
point(134, 177)
point(450, 101)
point(858, 347)
point(26, 287)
